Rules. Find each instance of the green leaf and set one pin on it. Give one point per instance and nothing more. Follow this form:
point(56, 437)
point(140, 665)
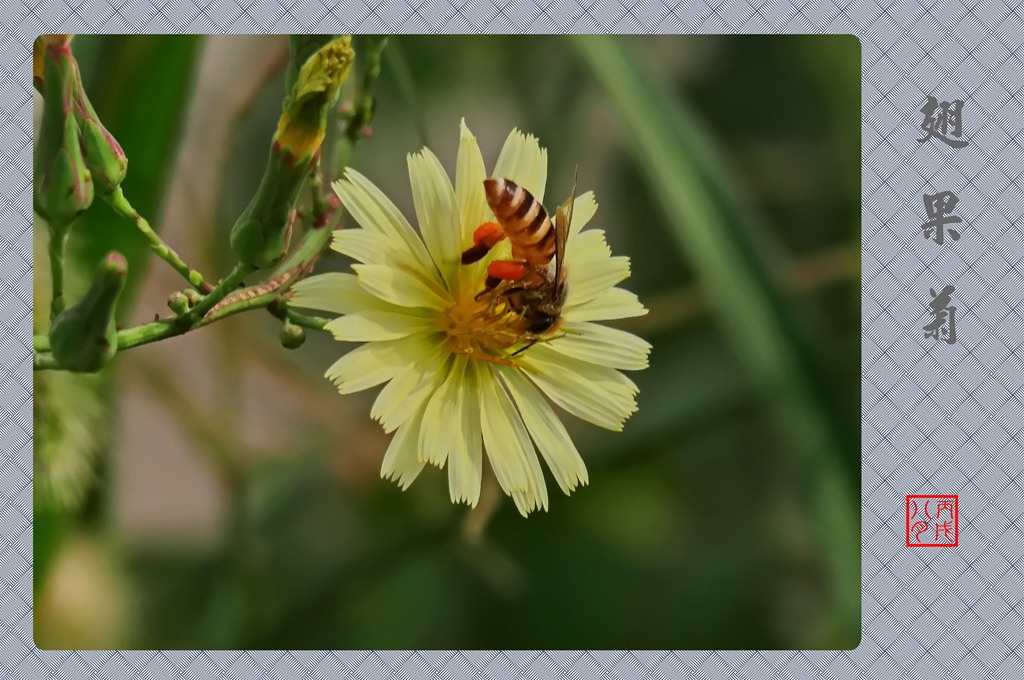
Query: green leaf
point(686, 178)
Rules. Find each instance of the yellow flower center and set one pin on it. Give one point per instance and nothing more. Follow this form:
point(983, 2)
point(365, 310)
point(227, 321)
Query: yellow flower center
point(483, 329)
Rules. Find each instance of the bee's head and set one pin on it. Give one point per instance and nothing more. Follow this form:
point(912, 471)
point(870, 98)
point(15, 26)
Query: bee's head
point(541, 323)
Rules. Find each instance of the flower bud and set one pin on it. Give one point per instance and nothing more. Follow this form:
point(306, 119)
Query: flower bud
point(292, 336)
point(84, 337)
point(178, 303)
point(193, 296)
point(260, 236)
point(63, 185)
point(103, 155)
point(302, 126)
point(301, 48)
point(38, 47)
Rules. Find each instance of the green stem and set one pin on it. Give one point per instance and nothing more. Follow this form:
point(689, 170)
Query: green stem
point(58, 239)
point(407, 88)
point(123, 208)
point(44, 362)
point(223, 288)
point(357, 120)
point(242, 305)
point(209, 309)
point(147, 333)
point(321, 206)
point(285, 313)
point(365, 104)
point(169, 328)
point(308, 320)
point(225, 299)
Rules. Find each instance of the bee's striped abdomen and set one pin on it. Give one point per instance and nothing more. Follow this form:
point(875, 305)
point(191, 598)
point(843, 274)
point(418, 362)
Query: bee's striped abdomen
point(523, 219)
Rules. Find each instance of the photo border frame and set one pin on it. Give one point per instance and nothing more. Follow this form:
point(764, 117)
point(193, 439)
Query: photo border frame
point(937, 418)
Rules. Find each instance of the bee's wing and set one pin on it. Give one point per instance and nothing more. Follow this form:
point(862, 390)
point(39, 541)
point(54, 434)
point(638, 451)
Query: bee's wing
point(563, 220)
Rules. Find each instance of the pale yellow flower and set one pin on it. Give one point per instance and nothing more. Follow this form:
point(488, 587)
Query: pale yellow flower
point(411, 302)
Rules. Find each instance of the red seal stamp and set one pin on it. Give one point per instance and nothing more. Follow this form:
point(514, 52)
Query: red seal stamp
point(933, 521)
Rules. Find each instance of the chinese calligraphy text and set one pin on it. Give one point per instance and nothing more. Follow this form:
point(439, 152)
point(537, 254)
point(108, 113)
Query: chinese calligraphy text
point(942, 120)
point(940, 213)
point(943, 324)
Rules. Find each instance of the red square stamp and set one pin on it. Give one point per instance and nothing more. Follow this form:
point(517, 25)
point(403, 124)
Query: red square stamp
point(933, 521)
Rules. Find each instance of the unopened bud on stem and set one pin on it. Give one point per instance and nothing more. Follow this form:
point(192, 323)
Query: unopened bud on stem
point(38, 47)
point(84, 337)
point(260, 236)
point(63, 184)
point(292, 336)
point(178, 303)
point(301, 48)
point(103, 155)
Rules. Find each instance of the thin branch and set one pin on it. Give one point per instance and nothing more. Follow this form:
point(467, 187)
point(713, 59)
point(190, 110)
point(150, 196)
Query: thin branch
point(58, 239)
point(226, 286)
point(282, 311)
point(225, 299)
point(123, 208)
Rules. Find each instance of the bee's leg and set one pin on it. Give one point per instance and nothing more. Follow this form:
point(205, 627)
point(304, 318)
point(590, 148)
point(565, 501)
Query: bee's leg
point(490, 286)
point(533, 342)
point(486, 236)
point(503, 361)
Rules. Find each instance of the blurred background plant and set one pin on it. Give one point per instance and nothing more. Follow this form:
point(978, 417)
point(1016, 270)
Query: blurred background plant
point(213, 491)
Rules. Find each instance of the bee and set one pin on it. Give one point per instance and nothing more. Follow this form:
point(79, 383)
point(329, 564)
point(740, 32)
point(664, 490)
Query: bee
point(533, 282)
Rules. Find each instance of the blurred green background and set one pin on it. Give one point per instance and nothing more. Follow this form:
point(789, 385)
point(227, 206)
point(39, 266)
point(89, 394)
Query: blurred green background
point(213, 491)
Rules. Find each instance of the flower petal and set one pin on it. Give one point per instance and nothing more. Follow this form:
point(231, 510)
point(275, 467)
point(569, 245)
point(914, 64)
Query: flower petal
point(547, 432)
point(616, 303)
point(583, 210)
point(465, 464)
point(409, 390)
point(398, 287)
point(536, 497)
point(375, 212)
point(436, 211)
point(508, 445)
point(470, 174)
point(375, 362)
point(362, 245)
point(523, 161)
point(371, 326)
point(590, 266)
point(603, 346)
point(336, 292)
point(597, 394)
point(400, 461)
point(441, 432)
point(586, 282)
